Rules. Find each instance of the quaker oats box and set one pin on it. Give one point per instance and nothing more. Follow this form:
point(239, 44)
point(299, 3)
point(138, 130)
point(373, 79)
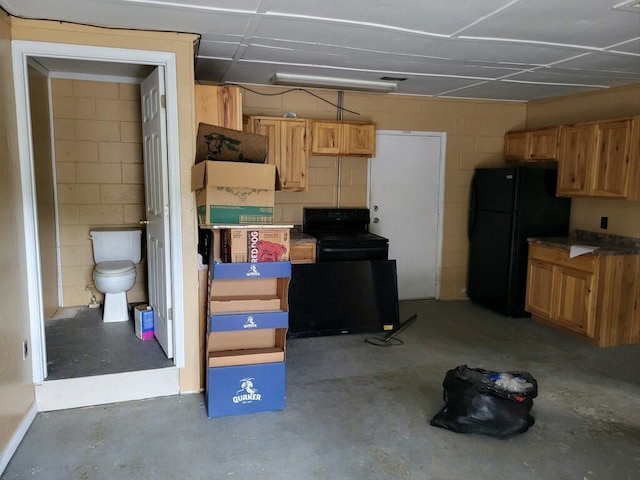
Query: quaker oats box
point(222, 144)
point(245, 389)
point(245, 371)
point(251, 245)
point(234, 192)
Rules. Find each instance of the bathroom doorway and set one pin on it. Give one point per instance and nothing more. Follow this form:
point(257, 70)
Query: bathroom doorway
point(56, 62)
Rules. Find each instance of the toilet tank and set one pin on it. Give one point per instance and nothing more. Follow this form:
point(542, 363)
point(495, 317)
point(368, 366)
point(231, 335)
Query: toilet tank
point(123, 244)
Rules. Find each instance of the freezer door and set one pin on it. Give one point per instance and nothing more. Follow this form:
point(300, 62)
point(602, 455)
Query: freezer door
point(494, 189)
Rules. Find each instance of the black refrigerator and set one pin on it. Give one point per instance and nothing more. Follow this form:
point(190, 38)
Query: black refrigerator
point(507, 206)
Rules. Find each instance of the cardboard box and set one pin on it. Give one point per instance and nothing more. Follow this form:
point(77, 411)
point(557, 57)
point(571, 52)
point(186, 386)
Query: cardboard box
point(252, 245)
point(235, 193)
point(245, 389)
point(243, 303)
point(248, 321)
point(245, 371)
point(143, 322)
point(223, 271)
point(225, 144)
point(243, 348)
point(242, 340)
point(257, 295)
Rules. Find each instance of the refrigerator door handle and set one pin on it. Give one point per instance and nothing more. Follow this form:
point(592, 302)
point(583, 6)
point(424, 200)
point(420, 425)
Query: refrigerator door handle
point(471, 225)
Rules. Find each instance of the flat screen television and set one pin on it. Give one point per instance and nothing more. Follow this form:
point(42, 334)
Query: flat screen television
point(333, 298)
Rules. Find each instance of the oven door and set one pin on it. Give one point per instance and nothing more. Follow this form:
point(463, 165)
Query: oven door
point(331, 251)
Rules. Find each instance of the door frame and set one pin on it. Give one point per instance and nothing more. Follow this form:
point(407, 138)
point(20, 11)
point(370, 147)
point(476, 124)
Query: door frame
point(440, 208)
point(22, 51)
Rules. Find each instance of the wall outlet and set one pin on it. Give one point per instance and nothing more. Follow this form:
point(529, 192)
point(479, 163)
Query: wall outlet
point(25, 349)
point(604, 222)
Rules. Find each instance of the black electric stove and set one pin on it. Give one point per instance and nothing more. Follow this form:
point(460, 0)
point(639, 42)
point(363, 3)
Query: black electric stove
point(343, 234)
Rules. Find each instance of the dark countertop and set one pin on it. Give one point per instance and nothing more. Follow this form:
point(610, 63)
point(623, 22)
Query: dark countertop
point(299, 237)
point(606, 244)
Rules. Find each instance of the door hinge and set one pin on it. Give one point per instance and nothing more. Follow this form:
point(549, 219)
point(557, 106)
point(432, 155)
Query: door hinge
point(170, 313)
point(163, 101)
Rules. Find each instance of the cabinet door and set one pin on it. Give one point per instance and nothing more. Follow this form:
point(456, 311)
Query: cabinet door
point(574, 300)
point(219, 105)
point(539, 288)
point(292, 161)
point(543, 144)
point(574, 155)
point(271, 129)
point(325, 138)
point(611, 166)
point(359, 139)
point(515, 146)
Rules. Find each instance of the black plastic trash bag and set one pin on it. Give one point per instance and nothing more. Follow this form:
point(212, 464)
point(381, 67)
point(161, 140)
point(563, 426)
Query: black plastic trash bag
point(487, 402)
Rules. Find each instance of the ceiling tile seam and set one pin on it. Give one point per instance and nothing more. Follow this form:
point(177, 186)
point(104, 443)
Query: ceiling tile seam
point(344, 47)
point(486, 17)
point(363, 70)
point(248, 33)
point(184, 6)
point(487, 39)
point(534, 42)
point(357, 23)
point(557, 84)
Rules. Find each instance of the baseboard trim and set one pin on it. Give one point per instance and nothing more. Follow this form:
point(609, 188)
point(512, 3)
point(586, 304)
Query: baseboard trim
point(102, 389)
point(17, 436)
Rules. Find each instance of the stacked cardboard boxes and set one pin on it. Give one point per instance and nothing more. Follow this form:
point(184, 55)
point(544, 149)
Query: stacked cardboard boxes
point(247, 325)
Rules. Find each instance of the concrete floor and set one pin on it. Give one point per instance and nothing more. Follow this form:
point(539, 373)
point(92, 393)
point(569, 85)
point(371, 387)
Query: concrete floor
point(80, 344)
point(356, 411)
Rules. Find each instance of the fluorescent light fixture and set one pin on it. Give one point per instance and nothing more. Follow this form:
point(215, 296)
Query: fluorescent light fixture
point(332, 82)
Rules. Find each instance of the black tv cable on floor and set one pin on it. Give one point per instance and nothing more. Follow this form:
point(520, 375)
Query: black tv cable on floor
point(390, 339)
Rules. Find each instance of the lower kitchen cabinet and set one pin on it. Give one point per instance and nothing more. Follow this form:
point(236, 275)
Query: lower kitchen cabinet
point(303, 252)
point(593, 296)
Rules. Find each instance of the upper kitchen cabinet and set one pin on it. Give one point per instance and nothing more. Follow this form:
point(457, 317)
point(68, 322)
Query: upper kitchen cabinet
point(531, 145)
point(595, 160)
point(352, 139)
point(288, 148)
point(219, 105)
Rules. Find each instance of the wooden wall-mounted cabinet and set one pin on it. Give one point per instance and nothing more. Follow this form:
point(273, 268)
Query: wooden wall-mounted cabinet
point(288, 148)
point(219, 105)
point(592, 296)
point(335, 138)
point(531, 145)
point(595, 160)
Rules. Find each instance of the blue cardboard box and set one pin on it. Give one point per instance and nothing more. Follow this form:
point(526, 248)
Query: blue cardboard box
point(227, 271)
point(245, 389)
point(248, 321)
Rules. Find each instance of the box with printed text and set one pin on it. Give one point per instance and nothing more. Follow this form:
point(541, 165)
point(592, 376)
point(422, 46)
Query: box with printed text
point(252, 245)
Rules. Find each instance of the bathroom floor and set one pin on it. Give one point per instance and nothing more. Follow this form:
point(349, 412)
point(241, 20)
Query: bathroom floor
point(80, 344)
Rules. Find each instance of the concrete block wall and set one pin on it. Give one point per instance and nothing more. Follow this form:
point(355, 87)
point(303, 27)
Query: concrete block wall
point(475, 137)
point(99, 174)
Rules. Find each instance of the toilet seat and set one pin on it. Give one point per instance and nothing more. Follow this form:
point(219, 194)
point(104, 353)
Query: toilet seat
point(114, 268)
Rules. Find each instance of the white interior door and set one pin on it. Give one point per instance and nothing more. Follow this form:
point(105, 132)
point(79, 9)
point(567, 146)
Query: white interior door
point(406, 185)
point(154, 133)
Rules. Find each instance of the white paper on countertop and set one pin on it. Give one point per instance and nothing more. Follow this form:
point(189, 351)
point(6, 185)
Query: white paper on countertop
point(576, 250)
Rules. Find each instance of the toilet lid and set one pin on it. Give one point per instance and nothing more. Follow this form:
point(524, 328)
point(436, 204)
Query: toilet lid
point(114, 267)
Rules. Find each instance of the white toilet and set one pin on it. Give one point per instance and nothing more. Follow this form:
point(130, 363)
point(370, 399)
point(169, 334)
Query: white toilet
point(115, 252)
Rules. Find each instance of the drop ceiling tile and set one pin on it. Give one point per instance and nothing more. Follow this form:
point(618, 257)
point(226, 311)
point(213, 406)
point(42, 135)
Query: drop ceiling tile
point(502, 90)
point(572, 22)
point(358, 38)
point(436, 16)
point(607, 62)
point(576, 77)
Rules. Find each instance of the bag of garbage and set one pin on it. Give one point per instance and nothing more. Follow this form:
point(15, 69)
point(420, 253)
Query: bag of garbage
point(487, 402)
